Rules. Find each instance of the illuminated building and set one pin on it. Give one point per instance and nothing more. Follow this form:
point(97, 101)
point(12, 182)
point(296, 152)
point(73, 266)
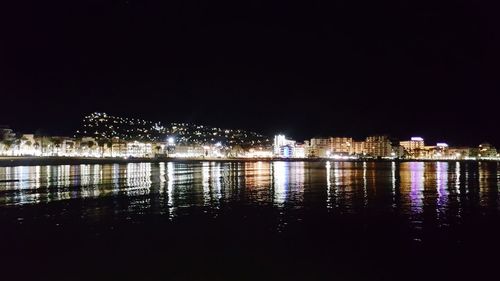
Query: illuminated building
point(459, 152)
point(259, 153)
point(118, 147)
point(28, 145)
point(341, 145)
point(358, 148)
point(285, 151)
point(63, 146)
point(326, 147)
point(6, 134)
point(299, 151)
point(283, 147)
point(186, 151)
point(139, 149)
point(378, 146)
point(88, 146)
point(7, 138)
point(414, 146)
point(442, 145)
point(398, 152)
point(441, 150)
point(318, 147)
point(486, 150)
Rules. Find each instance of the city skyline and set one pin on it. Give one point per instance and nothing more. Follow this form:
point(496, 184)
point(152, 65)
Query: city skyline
point(249, 140)
point(106, 136)
point(78, 129)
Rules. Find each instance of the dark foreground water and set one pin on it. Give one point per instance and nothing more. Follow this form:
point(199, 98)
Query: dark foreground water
point(251, 221)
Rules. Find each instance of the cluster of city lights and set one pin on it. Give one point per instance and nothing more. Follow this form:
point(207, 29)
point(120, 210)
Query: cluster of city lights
point(103, 135)
point(379, 147)
point(102, 125)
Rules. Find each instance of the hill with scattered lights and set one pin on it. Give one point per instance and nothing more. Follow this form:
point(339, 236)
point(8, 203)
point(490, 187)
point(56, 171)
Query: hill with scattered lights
point(105, 126)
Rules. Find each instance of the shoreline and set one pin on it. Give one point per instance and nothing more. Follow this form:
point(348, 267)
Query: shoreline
point(9, 161)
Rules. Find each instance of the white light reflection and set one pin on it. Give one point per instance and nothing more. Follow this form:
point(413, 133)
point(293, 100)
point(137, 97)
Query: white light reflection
point(280, 177)
point(90, 181)
point(297, 182)
point(483, 177)
point(328, 185)
point(393, 179)
point(85, 175)
point(417, 187)
point(365, 186)
point(216, 179)
point(116, 178)
point(138, 179)
point(442, 188)
point(21, 184)
point(38, 170)
point(97, 175)
point(457, 188)
point(205, 178)
point(170, 189)
point(336, 174)
point(162, 177)
point(337, 179)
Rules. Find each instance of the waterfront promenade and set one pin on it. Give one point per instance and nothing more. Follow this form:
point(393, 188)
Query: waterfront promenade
point(59, 160)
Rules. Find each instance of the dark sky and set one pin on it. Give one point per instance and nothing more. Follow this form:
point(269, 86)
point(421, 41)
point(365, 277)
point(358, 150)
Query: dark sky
point(305, 68)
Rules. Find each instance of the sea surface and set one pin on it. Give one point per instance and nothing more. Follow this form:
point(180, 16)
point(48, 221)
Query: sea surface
point(251, 221)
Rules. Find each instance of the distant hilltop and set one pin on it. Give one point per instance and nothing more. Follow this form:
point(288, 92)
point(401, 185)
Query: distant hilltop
point(104, 126)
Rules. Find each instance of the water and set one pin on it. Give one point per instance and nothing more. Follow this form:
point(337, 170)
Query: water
point(252, 220)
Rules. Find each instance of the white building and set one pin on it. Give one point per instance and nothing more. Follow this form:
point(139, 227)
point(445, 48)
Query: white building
point(259, 153)
point(283, 147)
point(139, 149)
point(186, 151)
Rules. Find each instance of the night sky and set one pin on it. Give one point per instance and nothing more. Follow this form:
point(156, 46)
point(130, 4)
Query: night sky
point(308, 68)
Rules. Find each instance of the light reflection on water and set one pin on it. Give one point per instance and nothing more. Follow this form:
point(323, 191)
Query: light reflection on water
point(439, 191)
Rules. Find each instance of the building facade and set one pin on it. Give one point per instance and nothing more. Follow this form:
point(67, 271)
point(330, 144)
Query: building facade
point(378, 146)
point(341, 145)
point(283, 147)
